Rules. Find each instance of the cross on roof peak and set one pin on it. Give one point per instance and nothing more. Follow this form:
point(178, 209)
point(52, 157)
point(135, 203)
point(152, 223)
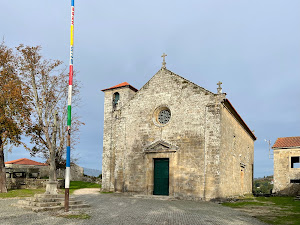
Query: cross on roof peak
point(164, 61)
point(219, 88)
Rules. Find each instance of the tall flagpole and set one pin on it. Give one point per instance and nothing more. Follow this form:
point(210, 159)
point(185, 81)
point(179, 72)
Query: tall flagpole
point(68, 156)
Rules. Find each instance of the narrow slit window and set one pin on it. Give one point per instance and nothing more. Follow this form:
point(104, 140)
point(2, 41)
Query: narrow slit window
point(295, 162)
point(116, 99)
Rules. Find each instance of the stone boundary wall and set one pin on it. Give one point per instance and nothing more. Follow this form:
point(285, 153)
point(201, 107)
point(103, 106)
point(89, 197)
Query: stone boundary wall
point(26, 183)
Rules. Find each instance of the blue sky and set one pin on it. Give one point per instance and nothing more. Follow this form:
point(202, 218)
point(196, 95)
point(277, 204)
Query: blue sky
point(253, 47)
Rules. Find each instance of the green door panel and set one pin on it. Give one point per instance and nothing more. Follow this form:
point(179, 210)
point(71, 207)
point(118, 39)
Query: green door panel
point(161, 177)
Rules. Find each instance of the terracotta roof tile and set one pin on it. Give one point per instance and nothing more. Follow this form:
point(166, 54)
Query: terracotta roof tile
point(25, 161)
point(285, 142)
point(124, 84)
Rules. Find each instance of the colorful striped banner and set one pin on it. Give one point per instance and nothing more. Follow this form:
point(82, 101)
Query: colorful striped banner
point(68, 155)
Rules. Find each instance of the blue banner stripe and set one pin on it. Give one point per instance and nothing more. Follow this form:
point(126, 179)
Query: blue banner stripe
point(68, 156)
point(72, 3)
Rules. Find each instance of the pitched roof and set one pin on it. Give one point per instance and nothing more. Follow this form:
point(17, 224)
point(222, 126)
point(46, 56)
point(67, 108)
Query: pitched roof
point(25, 161)
point(285, 142)
point(124, 84)
point(230, 107)
point(226, 102)
point(188, 81)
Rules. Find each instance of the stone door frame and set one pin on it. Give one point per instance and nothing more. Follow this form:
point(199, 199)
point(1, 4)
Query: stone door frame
point(150, 170)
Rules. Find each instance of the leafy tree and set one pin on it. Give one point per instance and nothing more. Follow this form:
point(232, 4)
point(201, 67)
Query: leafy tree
point(14, 110)
point(48, 91)
point(263, 185)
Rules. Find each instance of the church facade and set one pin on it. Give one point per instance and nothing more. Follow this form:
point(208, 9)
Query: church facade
point(173, 137)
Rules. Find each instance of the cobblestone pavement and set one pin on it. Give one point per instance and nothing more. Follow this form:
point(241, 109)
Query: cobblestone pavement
point(120, 209)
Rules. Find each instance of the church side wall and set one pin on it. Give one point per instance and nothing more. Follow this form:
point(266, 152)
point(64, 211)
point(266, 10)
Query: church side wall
point(212, 151)
point(236, 157)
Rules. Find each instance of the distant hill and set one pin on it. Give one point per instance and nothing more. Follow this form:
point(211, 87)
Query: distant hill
point(91, 172)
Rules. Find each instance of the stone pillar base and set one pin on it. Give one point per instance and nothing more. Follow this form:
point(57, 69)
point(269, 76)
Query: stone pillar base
point(51, 187)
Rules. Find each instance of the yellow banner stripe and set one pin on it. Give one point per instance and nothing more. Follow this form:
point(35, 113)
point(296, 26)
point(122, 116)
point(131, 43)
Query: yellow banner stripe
point(72, 35)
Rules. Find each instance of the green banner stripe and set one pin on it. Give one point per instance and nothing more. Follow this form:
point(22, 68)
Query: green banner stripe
point(69, 115)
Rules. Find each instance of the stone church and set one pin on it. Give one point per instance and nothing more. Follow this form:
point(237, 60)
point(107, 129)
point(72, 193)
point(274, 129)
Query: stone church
point(173, 137)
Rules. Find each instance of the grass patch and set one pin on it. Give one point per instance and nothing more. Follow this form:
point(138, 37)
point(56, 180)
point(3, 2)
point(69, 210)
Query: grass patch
point(106, 192)
point(82, 184)
point(75, 185)
point(288, 219)
point(273, 210)
point(243, 204)
point(81, 216)
point(20, 193)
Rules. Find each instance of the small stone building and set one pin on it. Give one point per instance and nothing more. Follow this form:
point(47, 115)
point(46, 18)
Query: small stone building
point(25, 168)
point(27, 173)
point(287, 165)
point(173, 137)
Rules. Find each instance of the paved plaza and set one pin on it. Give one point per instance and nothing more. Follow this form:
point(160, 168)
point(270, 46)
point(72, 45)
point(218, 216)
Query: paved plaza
point(121, 209)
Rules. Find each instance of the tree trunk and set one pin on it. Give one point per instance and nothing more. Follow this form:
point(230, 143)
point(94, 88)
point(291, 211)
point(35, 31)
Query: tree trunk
point(2, 169)
point(52, 171)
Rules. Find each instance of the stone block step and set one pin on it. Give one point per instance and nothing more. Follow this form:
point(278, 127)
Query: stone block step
point(49, 208)
point(158, 197)
point(59, 207)
point(79, 206)
point(42, 202)
point(39, 204)
point(49, 196)
point(46, 204)
point(40, 199)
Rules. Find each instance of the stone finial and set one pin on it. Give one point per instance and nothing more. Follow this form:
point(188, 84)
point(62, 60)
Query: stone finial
point(219, 88)
point(164, 61)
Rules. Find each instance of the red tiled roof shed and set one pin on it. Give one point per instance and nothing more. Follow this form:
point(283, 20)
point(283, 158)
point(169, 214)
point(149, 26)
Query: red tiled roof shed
point(25, 161)
point(287, 142)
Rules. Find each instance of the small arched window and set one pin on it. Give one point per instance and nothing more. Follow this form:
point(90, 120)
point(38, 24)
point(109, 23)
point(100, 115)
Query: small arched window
point(116, 99)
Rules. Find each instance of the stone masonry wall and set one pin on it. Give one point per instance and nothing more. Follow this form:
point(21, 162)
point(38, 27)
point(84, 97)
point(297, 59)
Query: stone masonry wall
point(237, 157)
point(109, 144)
point(194, 132)
point(76, 172)
point(212, 151)
point(127, 165)
point(185, 130)
point(283, 173)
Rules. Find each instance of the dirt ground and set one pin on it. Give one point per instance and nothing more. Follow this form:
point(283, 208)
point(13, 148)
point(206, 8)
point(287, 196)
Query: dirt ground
point(85, 191)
